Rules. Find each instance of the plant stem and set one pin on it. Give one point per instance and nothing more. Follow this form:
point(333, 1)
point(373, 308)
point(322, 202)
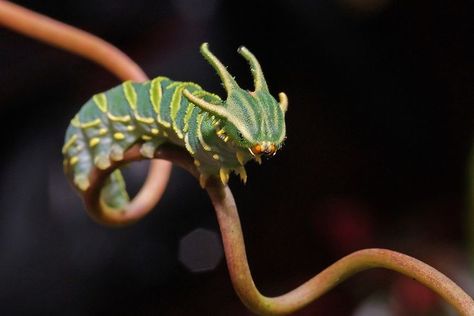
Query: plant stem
point(234, 249)
point(294, 300)
point(91, 47)
point(71, 39)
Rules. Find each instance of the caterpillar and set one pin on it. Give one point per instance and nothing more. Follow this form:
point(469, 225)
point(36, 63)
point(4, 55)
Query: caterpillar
point(220, 135)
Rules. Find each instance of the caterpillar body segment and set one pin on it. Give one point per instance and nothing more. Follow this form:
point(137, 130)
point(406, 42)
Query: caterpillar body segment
point(221, 135)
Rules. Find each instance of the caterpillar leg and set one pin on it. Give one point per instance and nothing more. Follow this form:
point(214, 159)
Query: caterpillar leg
point(77, 162)
point(148, 148)
point(101, 154)
point(114, 193)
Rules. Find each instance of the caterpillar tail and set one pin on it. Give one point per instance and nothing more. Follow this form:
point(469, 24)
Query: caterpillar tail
point(114, 195)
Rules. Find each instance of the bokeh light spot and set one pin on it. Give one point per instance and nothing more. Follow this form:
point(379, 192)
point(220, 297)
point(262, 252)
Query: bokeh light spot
point(200, 250)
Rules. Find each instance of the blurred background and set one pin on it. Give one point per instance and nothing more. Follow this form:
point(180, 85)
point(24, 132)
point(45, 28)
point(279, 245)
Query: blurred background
point(379, 130)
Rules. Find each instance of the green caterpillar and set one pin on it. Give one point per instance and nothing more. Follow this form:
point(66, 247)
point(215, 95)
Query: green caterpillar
point(221, 135)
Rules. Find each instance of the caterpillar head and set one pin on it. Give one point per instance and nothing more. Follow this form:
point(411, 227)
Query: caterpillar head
point(252, 120)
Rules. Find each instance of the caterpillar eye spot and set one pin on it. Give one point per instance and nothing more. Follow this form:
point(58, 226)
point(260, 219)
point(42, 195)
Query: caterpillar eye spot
point(256, 149)
point(272, 149)
point(265, 148)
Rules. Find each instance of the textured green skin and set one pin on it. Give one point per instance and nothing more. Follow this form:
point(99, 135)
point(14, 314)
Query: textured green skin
point(157, 112)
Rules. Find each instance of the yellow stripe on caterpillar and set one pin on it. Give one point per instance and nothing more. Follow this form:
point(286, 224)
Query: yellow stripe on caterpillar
point(187, 145)
point(90, 124)
point(130, 94)
point(101, 101)
point(123, 119)
point(146, 120)
point(69, 143)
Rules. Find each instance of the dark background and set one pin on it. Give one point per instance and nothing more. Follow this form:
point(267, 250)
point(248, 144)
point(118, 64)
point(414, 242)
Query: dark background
point(379, 130)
